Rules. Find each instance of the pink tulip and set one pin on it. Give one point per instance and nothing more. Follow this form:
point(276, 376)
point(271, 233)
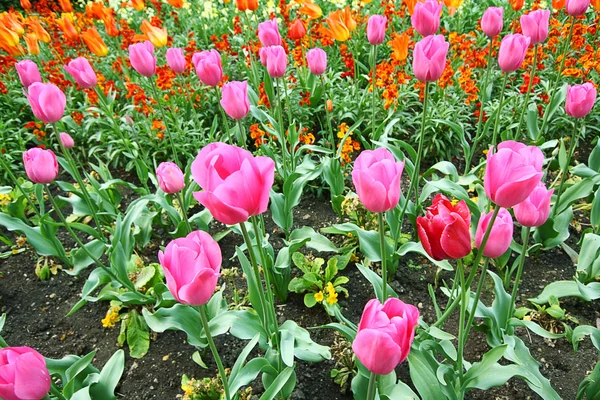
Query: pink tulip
point(275, 59)
point(40, 165)
point(317, 61)
point(492, 21)
point(141, 56)
point(208, 67)
point(535, 25)
point(513, 50)
point(534, 211)
point(66, 140)
point(23, 374)
point(176, 60)
point(385, 334)
point(376, 176)
point(376, 29)
point(575, 8)
point(47, 102)
point(580, 100)
point(426, 17)
point(28, 72)
point(170, 178)
point(191, 265)
point(83, 73)
point(500, 236)
point(234, 99)
point(235, 184)
point(268, 33)
point(429, 58)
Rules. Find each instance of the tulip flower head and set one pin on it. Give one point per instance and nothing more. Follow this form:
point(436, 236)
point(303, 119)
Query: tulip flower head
point(28, 72)
point(94, 42)
point(176, 60)
point(580, 99)
point(157, 36)
point(337, 26)
point(500, 235)
point(492, 21)
point(535, 25)
point(83, 73)
point(376, 29)
point(429, 58)
point(317, 61)
point(535, 209)
point(234, 99)
point(268, 33)
point(66, 24)
point(297, 29)
point(275, 59)
point(310, 9)
point(513, 50)
point(575, 8)
point(399, 45)
point(40, 165)
point(23, 374)
point(47, 102)
point(208, 67)
point(33, 46)
point(170, 177)
point(426, 17)
point(66, 140)
point(142, 58)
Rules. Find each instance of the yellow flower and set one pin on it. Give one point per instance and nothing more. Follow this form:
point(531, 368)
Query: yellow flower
point(319, 297)
point(331, 294)
point(112, 317)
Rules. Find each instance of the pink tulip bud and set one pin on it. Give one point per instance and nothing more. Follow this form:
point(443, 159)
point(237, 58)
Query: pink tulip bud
point(176, 60)
point(170, 178)
point(28, 72)
point(376, 176)
point(513, 50)
point(234, 99)
point(534, 210)
point(580, 100)
point(40, 165)
point(83, 73)
point(47, 102)
point(492, 21)
point(66, 140)
point(535, 25)
point(268, 33)
point(500, 236)
point(191, 266)
point(376, 29)
point(429, 58)
point(317, 61)
point(426, 17)
point(141, 56)
point(385, 334)
point(23, 374)
point(208, 67)
point(275, 59)
point(575, 8)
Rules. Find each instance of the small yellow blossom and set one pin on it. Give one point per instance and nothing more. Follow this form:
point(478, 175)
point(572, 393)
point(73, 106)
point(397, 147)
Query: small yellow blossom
point(319, 297)
point(331, 294)
point(112, 317)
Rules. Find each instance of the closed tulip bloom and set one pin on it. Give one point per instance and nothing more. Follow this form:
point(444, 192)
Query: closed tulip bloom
point(176, 60)
point(28, 72)
point(513, 50)
point(94, 42)
point(317, 61)
point(40, 165)
point(492, 21)
point(36, 26)
point(376, 29)
point(66, 140)
point(558, 4)
point(516, 4)
point(268, 33)
point(575, 8)
point(66, 5)
point(47, 102)
point(235, 184)
point(83, 73)
point(311, 10)
point(535, 25)
point(399, 45)
point(275, 59)
point(23, 374)
point(580, 100)
point(65, 23)
point(426, 17)
point(234, 99)
point(191, 265)
point(534, 211)
point(445, 230)
point(33, 46)
point(141, 56)
point(170, 178)
point(208, 67)
point(376, 176)
point(297, 30)
point(500, 236)
point(25, 4)
point(385, 334)
point(244, 5)
point(429, 58)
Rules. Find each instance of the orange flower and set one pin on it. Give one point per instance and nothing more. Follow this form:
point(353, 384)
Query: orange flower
point(596, 4)
point(33, 47)
point(244, 5)
point(348, 20)
point(516, 4)
point(25, 4)
point(138, 4)
point(158, 36)
point(176, 3)
point(95, 10)
point(558, 4)
point(110, 25)
point(297, 29)
point(410, 4)
point(39, 31)
point(399, 44)
point(94, 42)
point(65, 23)
point(66, 6)
point(7, 37)
point(9, 20)
point(337, 28)
point(452, 6)
point(310, 9)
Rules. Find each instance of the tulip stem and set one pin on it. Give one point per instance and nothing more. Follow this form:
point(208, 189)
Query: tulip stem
point(513, 297)
point(384, 277)
point(464, 292)
point(563, 176)
point(499, 112)
point(242, 137)
point(373, 80)
point(529, 86)
point(54, 390)
point(214, 351)
point(18, 185)
point(222, 114)
point(162, 116)
point(328, 116)
point(282, 134)
point(372, 386)
point(184, 216)
point(415, 178)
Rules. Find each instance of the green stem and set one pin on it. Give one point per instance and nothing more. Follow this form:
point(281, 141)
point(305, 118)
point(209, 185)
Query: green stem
point(563, 176)
point(54, 390)
point(383, 257)
point(16, 182)
point(373, 79)
point(415, 177)
point(513, 297)
point(242, 137)
point(214, 351)
point(496, 123)
point(372, 386)
point(282, 134)
point(464, 292)
point(183, 207)
point(328, 117)
point(529, 86)
point(475, 301)
point(223, 115)
point(163, 117)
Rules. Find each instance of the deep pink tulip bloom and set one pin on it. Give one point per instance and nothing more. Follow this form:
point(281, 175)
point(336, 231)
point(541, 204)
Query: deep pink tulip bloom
point(176, 60)
point(376, 176)
point(376, 26)
point(268, 33)
point(275, 59)
point(513, 50)
point(234, 99)
point(492, 21)
point(142, 58)
point(40, 165)
point(580, 100)
point(385, 334)
point(500, 236)
point(235, 184)
point(47, 102)
point(575, 8)
point(317, 61)
point(191, 265)
point(208, 67)
point(28, 72)
point(535, 25)
point(66, 140)
point(429, 58)
point(426, 17)
point(534, 210)
point(23, 374)
point(83, 73)
point(445, 230)
point(170, 178)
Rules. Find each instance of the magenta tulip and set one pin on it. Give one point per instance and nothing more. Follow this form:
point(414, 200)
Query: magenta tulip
point(191, 265)
point(376, 176)
point(376, 26)
point(500, 235)
point(492, 21)
point(268, 33)
point(385, 334)
point(275, 59)
point(535, 25)
point(575, 8)
point(426, 17)
point(208, 67)
point(234, 99)
point(28, 72)
point(534, 210)
point(141, 56)
point(23, 374)
point(47, 102)
point(176, 60)
point(429, 58)
point(66, 140)
point(40, 165)
point(235, 184)
point(83, 73)
point(317, 61)
point(580, 100)
point(513, 50)
point(170, 178)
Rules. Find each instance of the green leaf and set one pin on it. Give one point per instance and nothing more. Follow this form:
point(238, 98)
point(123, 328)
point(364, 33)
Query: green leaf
point(138, 335)
point(580, 190)
point(304, 347)
point(573, 288)
point(488, 360)
point(532, 122)
point(413, 247)
point(555, 230)
point(376, 281)
point(317, 241)
point(43, 246)
point(109, 377)
point(331, 270)
point(278, 384)
point(423, 377)
point(309, 300)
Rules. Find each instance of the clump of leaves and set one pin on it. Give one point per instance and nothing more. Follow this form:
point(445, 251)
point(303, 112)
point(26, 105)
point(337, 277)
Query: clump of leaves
point(358, 214)
point(208, 389)
point(547, 316)
point(345, 362)
point(45, 267)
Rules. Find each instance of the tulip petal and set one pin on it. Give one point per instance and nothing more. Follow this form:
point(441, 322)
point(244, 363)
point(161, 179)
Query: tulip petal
point(456, 238)
point(199, 291)
point(377, 351)
point(32, 380)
